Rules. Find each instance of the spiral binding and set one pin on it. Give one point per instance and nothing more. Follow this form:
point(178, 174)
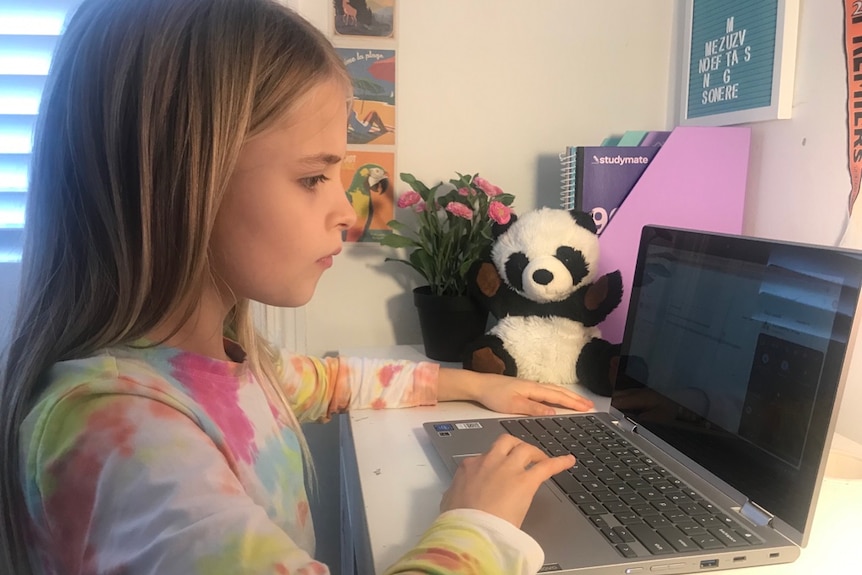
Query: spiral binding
point(567, 178)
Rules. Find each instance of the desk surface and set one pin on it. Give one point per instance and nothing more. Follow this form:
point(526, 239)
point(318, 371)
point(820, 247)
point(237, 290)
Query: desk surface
point(395, 482)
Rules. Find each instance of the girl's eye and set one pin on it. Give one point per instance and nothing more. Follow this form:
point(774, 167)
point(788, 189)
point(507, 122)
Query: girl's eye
point(312, 182)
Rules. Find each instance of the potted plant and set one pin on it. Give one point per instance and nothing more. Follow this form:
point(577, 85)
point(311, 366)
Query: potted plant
point(452, 229)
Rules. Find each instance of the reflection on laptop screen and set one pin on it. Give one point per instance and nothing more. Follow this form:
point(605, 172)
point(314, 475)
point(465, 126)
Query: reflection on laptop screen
point(733, 352)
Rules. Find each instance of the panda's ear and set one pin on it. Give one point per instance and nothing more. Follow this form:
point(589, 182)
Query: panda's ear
point(585, 220)
point(498, 230)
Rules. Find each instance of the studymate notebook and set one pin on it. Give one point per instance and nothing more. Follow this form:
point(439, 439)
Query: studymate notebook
point(713, 451)
point(596, 179)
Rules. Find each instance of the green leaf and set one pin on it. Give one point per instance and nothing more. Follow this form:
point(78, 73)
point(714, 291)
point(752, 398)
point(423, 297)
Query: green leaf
point(396, 241)
point(398, 226)
point(504, 198)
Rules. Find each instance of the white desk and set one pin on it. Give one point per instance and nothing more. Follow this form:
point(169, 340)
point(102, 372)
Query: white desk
point(393, 482)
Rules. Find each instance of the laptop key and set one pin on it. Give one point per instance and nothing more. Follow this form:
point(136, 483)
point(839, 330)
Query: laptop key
point(628, 517)
point(748, 536)
point(592, 509)
point(708, 521)
point(691, 528)
point(644, 509)
point(580, 497)
point(654, 543)
point(729, 537)
point(605, 495)
point(624, 534)
point(567, 483)
point(656, 521)
point(692, 508)
point(616, 506)
point(625, 550)
point(611, 535)
point(707, 541)
point(677, 538)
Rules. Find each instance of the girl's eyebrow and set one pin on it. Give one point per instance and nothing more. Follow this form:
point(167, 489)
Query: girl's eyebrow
point(320, 159)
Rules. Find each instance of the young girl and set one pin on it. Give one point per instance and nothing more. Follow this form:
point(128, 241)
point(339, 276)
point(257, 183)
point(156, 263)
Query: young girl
point(186, 162)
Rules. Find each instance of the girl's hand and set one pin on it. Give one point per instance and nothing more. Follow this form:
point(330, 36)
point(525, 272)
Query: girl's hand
point(504, 480)
point(507, 394)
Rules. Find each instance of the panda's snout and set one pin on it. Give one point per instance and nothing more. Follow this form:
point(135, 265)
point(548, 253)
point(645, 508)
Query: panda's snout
point(543, 277)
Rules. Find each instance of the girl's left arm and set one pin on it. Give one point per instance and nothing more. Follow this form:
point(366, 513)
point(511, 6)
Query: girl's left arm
point(320, 387)
point(317, 388)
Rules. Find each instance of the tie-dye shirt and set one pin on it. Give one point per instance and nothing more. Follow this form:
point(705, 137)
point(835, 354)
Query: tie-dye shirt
point(161, 461)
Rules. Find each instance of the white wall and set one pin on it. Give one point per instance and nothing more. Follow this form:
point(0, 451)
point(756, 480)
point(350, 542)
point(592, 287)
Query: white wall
point(498, 88)
point(799, 181)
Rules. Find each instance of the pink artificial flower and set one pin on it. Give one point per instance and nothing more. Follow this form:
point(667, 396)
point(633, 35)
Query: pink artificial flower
point(459, 210)
point(490, 189)
point(420, 207)
point(465, 192)
point(408, 199)
point(499, 212)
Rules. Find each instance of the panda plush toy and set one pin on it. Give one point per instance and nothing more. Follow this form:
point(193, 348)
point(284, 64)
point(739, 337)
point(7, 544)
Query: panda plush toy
point(539, 281)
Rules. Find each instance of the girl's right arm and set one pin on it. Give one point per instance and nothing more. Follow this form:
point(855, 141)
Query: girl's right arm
point(487, 501)
point(124, 483)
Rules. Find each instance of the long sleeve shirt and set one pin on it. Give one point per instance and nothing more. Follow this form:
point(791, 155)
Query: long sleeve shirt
point(162, 461)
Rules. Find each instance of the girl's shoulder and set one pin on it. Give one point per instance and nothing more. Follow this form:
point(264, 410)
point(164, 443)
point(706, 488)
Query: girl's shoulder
point(167, 375)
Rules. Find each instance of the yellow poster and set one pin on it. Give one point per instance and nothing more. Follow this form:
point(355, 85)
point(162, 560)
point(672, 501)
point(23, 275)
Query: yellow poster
point(367, 179)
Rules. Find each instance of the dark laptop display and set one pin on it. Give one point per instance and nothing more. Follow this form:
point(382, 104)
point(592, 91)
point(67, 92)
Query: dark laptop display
point(731, 347)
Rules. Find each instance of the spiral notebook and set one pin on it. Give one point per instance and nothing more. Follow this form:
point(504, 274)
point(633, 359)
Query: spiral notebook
point(596, 179)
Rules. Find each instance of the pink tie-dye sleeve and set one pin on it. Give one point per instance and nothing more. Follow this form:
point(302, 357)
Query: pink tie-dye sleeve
point(126, 484)
point(320, 387)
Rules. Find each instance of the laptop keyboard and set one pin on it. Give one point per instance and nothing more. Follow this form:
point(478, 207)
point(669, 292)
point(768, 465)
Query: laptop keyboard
point(626, 495)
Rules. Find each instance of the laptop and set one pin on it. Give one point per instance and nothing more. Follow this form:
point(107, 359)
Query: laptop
point(712, 454)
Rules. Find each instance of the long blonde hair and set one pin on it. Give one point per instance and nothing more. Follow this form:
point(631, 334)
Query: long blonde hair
point(146, 108)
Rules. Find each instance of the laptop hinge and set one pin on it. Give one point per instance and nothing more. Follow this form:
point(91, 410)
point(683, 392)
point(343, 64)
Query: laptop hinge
point(756, 514)
point(627, 424)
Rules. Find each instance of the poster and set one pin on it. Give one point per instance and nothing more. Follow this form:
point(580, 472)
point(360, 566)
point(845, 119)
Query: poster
point(739, 61)
point(372, 119)
point(374, 18)
point(853, 51)
point(367, 179)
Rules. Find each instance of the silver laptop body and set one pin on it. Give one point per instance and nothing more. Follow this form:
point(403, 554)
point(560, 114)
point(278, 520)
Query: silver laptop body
point(731, 370)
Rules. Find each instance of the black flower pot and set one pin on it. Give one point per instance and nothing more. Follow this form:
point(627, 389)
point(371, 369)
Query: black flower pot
point(448, 323)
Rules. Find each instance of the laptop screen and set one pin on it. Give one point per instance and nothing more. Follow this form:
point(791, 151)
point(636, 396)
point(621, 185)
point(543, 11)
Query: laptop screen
point(732, 354)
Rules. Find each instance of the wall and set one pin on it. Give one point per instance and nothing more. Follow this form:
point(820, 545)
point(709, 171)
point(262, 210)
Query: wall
point(500, 91)
point(799, 182)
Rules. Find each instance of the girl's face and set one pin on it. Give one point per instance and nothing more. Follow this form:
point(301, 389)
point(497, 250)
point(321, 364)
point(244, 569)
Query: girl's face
point(280, 223)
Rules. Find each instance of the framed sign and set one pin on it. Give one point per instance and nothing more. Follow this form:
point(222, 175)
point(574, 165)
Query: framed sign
point(739, 61)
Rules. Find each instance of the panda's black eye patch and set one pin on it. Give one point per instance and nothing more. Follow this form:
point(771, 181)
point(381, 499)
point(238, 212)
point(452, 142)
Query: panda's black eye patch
point(574, 262)
point(515, 266)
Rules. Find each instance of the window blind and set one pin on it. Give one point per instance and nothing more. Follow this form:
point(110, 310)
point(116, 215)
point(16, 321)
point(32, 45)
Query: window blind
point(28, 35)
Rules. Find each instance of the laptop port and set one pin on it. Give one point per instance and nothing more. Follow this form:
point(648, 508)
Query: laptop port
point(738, 559)
point(708, 563)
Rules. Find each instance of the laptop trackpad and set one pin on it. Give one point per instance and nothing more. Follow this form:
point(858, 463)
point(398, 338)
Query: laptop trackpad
point(564, 533)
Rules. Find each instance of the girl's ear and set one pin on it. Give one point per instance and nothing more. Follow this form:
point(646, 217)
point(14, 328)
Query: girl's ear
point(585, 220)
point(499, 229)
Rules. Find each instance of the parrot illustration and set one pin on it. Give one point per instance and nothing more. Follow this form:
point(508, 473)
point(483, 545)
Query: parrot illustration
point(368, 195)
